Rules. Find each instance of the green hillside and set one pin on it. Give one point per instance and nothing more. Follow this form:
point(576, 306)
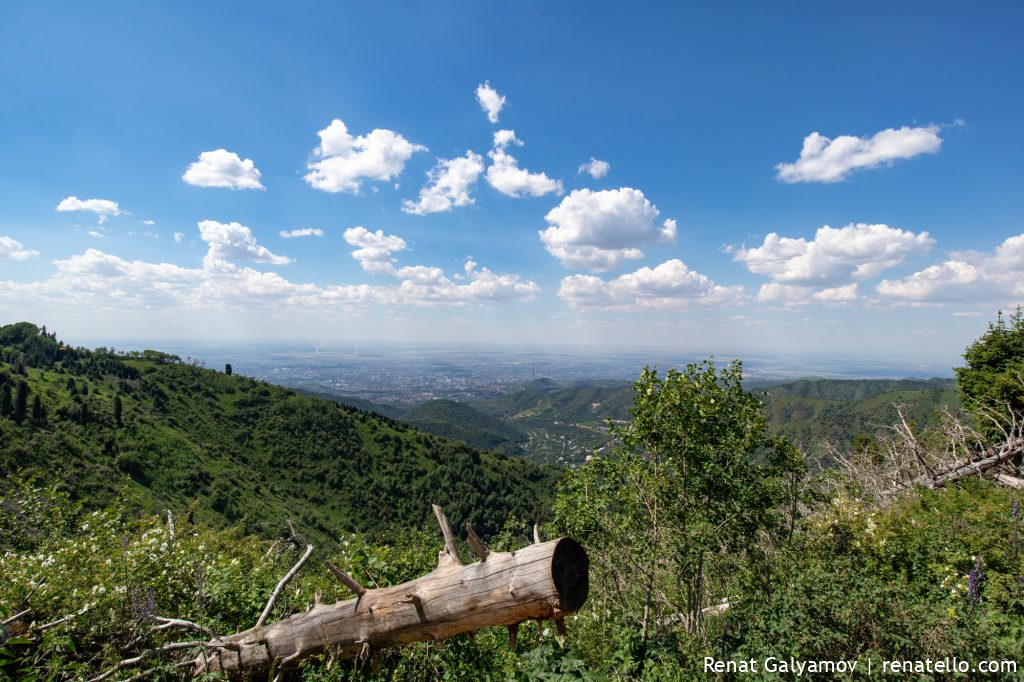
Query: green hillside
point(462, 422)
point(584, 403)
point(229, 449)
point(564, 424)
point(811, 411)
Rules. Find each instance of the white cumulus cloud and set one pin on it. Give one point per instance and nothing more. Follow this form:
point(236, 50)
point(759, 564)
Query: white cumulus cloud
point(104, 208)
point(505, 175)
point(343, 161)
point(598, 230)
point(179, 237)
point(450, 182)
point(490, 101)
point(11, 248)
point(595, 168)
point(375, 248)
point(831, 160)
point(221, 168)
point(426, 286)
point(233, 241)
point(669, 285)
point(302, 232)
point(965, 276)
point(835, 257)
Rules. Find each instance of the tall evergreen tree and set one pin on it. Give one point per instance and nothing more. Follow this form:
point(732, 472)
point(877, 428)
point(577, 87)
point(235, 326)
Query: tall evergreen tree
point(227, 369)
point(38, 413)
point(6, 402)
point(21, 401)
point(118, 409)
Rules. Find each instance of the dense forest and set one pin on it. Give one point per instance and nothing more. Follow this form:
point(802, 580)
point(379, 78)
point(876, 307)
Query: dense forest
point(546, 421)
point(709, 536)
point(159, 433)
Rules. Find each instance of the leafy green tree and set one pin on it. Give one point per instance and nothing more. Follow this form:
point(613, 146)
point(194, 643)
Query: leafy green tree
point(118, 410)
point(696, 479)
point(227, 369)
point(992, 378)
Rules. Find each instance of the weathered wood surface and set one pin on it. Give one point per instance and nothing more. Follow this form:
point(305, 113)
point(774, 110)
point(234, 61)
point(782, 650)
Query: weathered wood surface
point(1012, 447)
point(540, 581)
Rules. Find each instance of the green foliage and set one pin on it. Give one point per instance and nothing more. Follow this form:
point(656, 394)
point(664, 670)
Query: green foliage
point(891, 583)
point(697, 477)
point(461, 422)
point(992, 377)
point(229, 450)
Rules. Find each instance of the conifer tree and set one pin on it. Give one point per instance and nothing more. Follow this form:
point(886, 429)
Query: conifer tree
point(38, 413)
point(6, 402)
point(21, 401)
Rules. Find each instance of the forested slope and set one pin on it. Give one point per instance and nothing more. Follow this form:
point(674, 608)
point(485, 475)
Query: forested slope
point(233, 450)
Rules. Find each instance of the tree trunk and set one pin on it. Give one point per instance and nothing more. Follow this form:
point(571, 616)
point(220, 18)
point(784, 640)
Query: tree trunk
point(546, 580)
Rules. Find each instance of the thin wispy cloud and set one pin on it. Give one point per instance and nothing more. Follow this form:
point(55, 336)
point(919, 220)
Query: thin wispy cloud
point(301, 232)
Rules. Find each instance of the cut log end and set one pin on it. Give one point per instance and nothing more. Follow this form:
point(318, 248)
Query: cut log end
point(570, 569)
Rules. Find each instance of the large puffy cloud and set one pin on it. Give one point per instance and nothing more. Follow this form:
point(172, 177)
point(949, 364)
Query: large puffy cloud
point(375, 248)
point(598, 230)
point(505, 175)
point(965, 276)
point(835, 257)
point(11, 248)
point(826, 160)
point(344, 161)
point(221, 168)
point(669, 285)
point(233, 241)
point(450, 182)
point(490, 101)
point(104, 208)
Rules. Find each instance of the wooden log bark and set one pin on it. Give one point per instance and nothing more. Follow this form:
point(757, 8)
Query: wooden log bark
point(993, 457)
point(540, 581)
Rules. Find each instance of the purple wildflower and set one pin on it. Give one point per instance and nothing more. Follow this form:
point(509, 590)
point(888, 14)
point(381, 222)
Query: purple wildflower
point(1015, 511)
point(143, 605)
point(974, 580)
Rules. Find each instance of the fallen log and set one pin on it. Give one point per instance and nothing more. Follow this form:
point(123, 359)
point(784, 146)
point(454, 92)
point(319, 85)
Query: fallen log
point(541, 581)
point(1011, 481)
point(1013, 447)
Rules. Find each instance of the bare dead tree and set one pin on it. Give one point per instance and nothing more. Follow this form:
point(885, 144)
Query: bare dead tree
point(905, 459)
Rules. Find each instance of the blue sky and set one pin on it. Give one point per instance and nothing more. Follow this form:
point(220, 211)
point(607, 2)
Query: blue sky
point(730, 178)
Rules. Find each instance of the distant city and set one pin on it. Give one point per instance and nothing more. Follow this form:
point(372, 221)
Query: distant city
point(406, 376)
